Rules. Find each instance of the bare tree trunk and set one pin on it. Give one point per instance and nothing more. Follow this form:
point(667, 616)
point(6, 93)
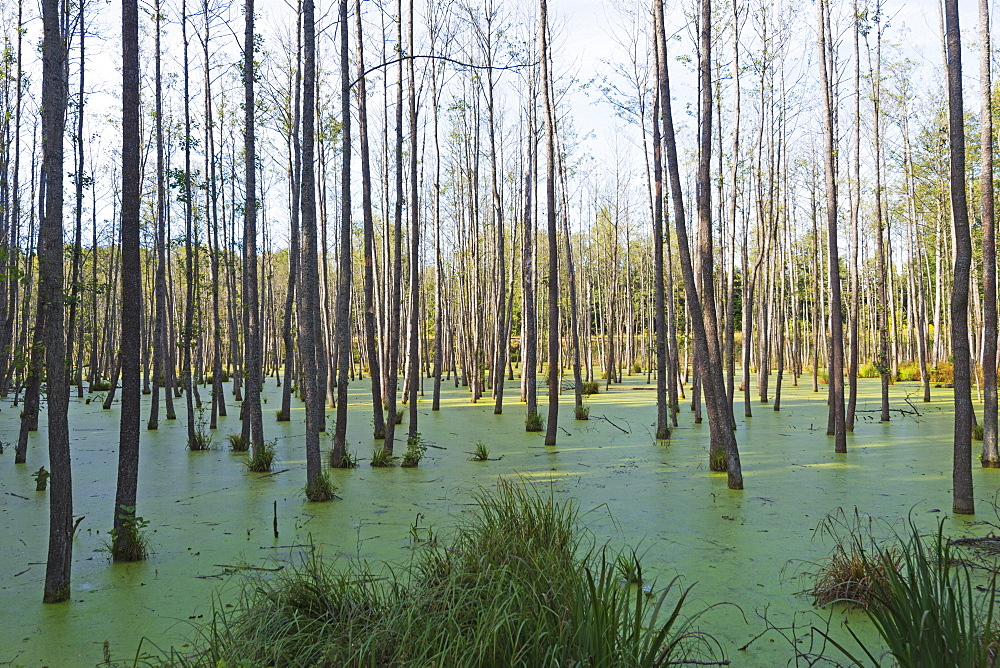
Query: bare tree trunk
point(963, 502)
point(835, 364)
point(50, 296)
point(552, 423)
point(990, 457)
point(705, 327)
point(343, 317)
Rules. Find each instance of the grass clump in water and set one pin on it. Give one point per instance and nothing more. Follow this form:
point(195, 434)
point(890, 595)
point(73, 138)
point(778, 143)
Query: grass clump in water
point(382, 458)
point(129, 543)
point(481, 452)
point(238, 443)
point(533, 421)
point(260, 461)
point(322, 488)
point(508, 589)
point(415, 449)
point(977, 431)
point(857, 568)
point(581, 412)
point(925, 607)
point(589, 387)
point(348, 461)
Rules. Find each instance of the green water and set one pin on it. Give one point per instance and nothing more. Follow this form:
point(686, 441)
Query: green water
point(207, 514)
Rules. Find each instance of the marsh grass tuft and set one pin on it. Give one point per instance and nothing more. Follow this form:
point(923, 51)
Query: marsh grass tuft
point(322, 488)
point(238, 443)
point(129, 543)
point(509, 587)
point(717, 461)
point(260, 461)
point(977, 431)
point(480, 452)
point(415, 449)
point(348, 461)
point(381, 458)
point(925, 607)
point(281, 415)
point(857, 567)
point(581, 412)
point(589, 387)
point(533, 422)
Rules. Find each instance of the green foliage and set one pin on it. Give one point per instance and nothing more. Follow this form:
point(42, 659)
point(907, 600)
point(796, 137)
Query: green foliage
point(510, 588)
point(238, 443)
point(399, 415)
point(100, 386)
point(481, 453)
point(322, 488)
point(943, 372)
point(260, 461)
point(202, 438)
point(869, 370)
point(926, 608)
point(533, 422)
point(382, 458)
point(589, 387)
point(977, 431)
point(415, 449)
point(856, 567)
point(129, 543)
point(41, 477)
point(717, 461)
point(908, 371)
point(348, 461)
point(581, 412)
point(281, 415)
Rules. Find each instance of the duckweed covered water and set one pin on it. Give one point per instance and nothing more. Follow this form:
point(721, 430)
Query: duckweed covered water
point(210, 517)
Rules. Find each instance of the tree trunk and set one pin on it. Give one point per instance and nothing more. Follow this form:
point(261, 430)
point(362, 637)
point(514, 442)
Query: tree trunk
point(990, 457)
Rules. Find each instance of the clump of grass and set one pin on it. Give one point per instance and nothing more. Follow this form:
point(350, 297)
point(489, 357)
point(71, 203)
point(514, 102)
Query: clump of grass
point(977, 431)
point(399, 415)
point(382, 458)
point(348, 461)
point(509, 588)
point(533, 422)
point(868, 370)
point(415, 449)
point(481, 452)
point(858, 566)
point(238, 443)
point(717, 461)
point(589, 387)
point(100, 386)
point(581, 412)
point(926, 608)
point(281, 415)
point(260, 461)
point(321, 489)
point(202, 439)
point(636, 367)
point(129, 543)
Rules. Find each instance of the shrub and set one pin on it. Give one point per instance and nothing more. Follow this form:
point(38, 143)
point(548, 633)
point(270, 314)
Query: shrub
point(581, 412)
point(977, 431)
point(908, 371)
point(942, 373)
point(868, 370)
point(589, 387)
point(100, 386)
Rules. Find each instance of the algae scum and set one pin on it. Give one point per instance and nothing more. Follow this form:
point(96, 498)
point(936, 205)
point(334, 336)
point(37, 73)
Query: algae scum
point(209, 517)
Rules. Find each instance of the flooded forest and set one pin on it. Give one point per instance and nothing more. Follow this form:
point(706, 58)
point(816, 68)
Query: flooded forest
point(499, 332)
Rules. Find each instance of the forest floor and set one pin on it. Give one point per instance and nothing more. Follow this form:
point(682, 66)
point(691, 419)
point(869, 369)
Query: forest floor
point(209, 518)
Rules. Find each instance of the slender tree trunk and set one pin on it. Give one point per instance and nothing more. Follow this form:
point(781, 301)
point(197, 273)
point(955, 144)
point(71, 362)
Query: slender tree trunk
point(835, 364)
point(343, 331)
point(990, 457)
point(552, 423)
point(963, 502)
point(50, 296)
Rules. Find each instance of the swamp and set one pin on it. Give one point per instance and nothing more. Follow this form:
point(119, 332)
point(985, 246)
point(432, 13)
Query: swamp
point(211, 520)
